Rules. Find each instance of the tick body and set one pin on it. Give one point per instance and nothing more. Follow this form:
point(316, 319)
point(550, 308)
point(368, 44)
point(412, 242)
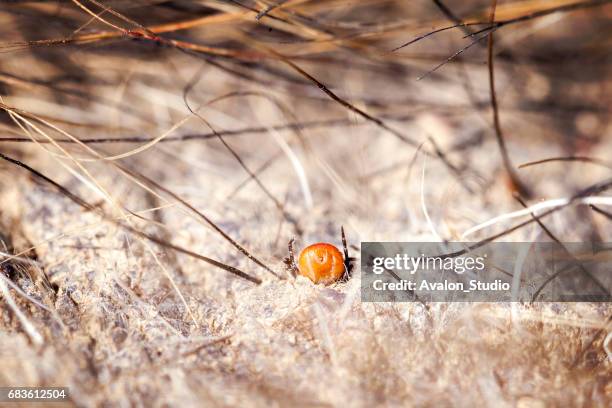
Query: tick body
point(321, 263)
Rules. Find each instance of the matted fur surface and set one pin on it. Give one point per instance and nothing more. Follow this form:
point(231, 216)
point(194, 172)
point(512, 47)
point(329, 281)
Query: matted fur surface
point(123, 320)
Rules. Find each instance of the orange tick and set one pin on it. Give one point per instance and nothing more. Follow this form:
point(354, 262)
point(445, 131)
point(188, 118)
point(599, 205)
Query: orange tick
point(321, 262)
